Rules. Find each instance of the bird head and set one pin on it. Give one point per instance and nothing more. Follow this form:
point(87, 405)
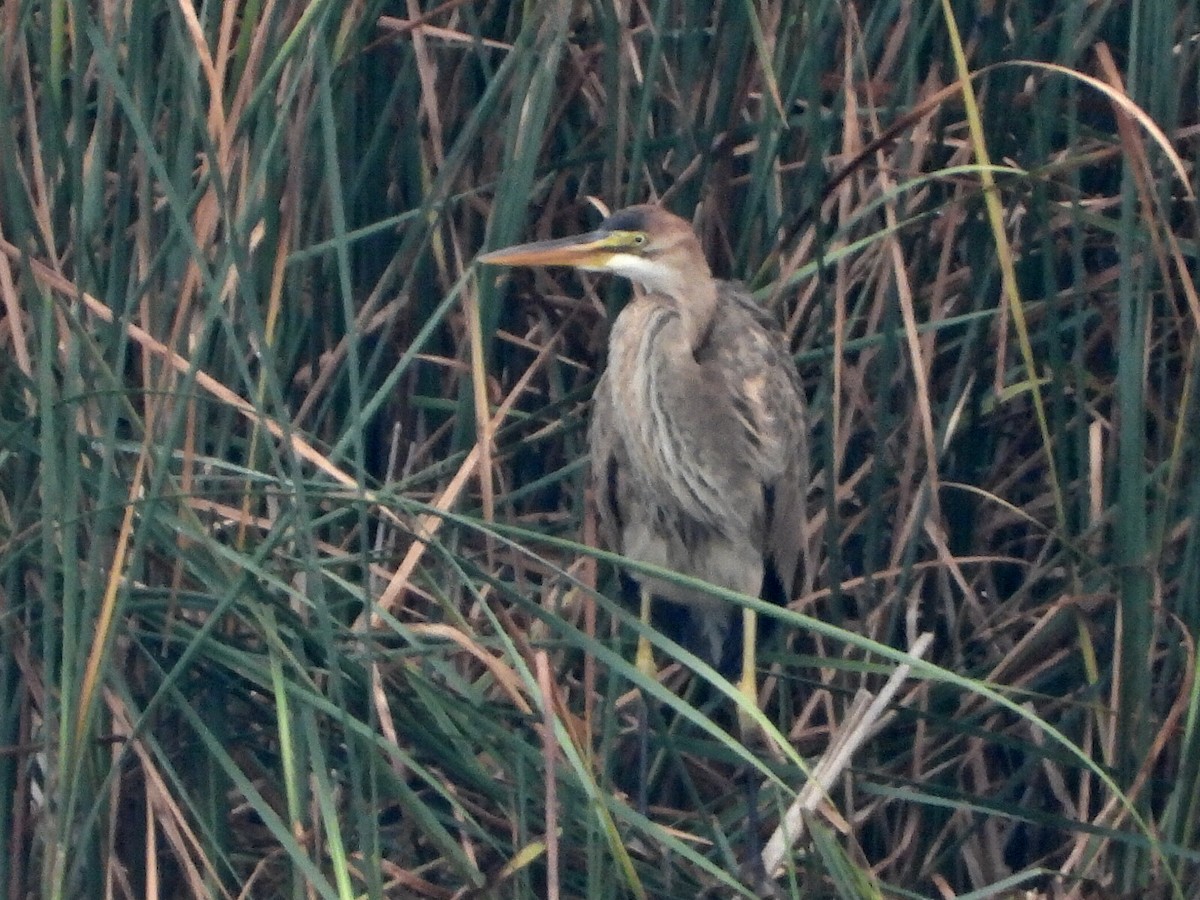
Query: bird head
point(646, 244)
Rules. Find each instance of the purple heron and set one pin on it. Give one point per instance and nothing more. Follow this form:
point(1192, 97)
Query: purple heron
point(697, 434)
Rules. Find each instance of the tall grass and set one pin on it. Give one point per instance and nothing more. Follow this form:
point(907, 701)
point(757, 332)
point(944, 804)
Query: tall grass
point(298, 588)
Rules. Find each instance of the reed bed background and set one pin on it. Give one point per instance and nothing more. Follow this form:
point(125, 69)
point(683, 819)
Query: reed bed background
point(297, 589)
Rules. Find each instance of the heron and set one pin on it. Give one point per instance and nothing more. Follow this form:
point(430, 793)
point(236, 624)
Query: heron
point(697, 434)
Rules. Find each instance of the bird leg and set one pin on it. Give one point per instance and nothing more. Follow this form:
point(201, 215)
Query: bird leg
point(645, 657)
point(748, 683)
point(645, 665)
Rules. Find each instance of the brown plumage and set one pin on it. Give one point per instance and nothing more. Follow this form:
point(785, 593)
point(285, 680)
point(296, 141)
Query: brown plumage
point(697, 435)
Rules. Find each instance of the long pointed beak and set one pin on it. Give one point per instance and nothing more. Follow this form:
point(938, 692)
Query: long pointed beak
point(591, 250)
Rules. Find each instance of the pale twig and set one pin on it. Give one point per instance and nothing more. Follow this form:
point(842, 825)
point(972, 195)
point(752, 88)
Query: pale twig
point(865, 718)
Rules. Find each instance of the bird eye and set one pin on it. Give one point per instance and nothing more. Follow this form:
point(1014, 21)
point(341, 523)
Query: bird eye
point(639, 239)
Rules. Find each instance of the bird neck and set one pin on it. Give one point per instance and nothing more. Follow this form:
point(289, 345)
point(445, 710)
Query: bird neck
point(700, 312)
point(695, 304)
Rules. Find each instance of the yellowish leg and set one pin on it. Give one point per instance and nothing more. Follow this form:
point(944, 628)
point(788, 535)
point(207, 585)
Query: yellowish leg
point(748, 683)
point(645, 657)
point(645, 664)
